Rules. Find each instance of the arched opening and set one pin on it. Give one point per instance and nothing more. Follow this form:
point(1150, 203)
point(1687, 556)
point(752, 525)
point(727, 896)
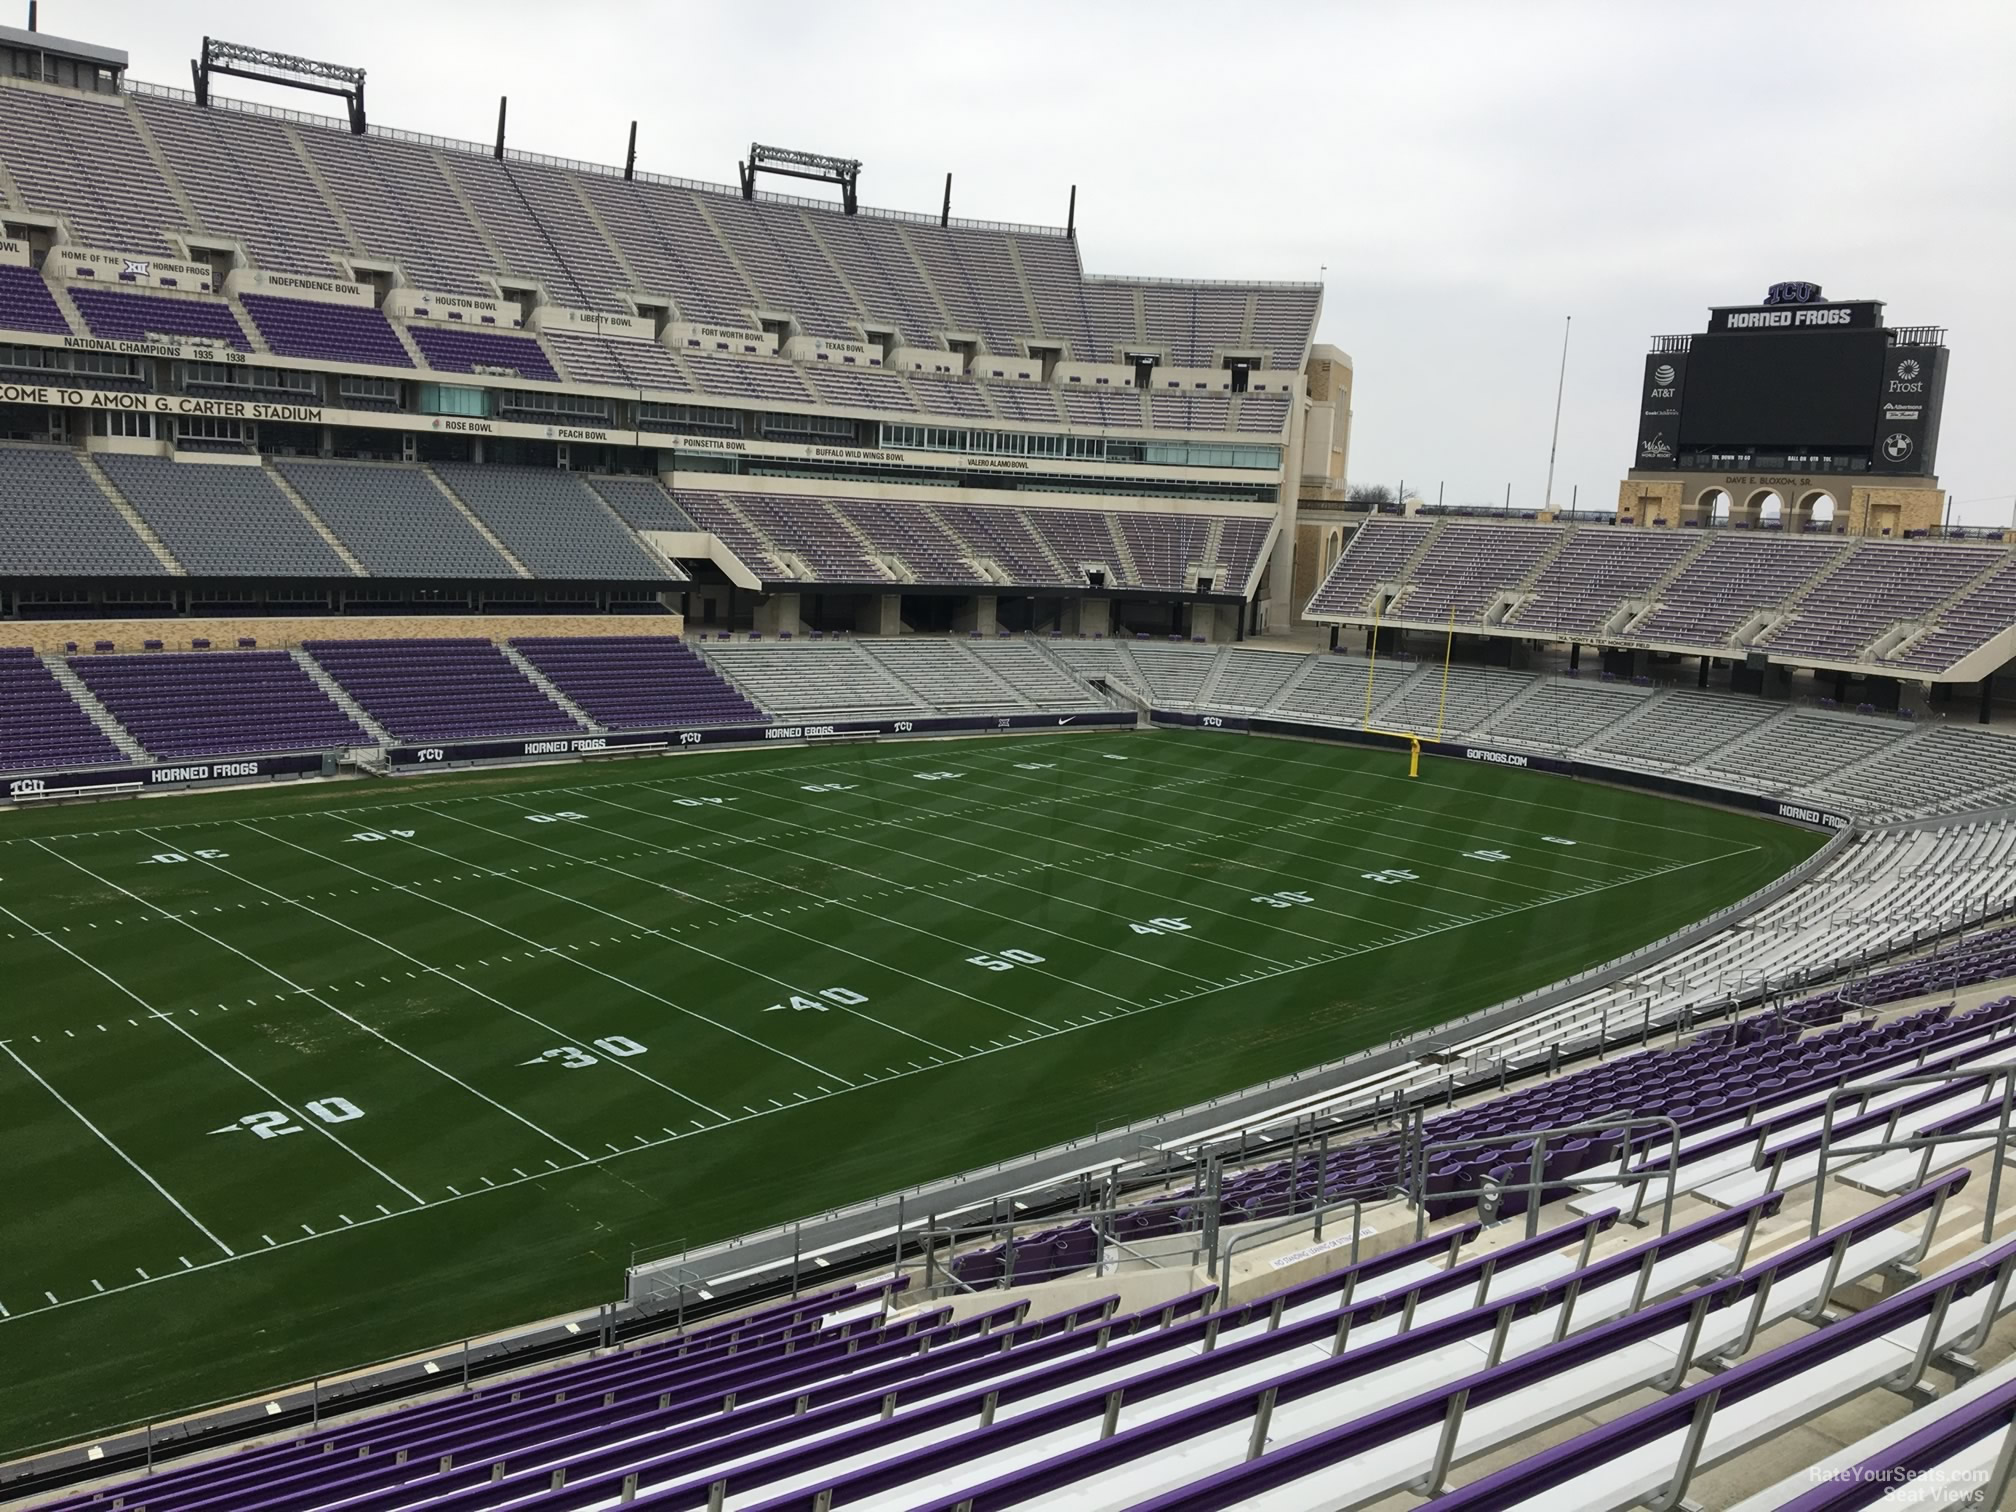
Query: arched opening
point(1333, 548)
point(1766, 510)
point(1715, 505)
point(1818, 507)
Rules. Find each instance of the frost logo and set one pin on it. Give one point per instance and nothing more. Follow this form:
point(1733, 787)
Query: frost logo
point(1663, 375)
point(1896, 446)
point(1908, 369)
point(1658, 446)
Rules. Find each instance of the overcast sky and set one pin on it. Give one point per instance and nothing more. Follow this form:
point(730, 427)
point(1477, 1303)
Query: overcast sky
point(1461, 176)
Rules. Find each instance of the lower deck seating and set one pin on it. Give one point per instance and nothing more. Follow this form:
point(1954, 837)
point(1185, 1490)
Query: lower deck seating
point(218, 703)
point(637, 682)
point(1404, 1368)
point(440, 689)
point(41, 725)
point(819, 677)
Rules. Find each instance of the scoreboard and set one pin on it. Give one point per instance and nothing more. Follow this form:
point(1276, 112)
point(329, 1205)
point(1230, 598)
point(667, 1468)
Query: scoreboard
point(1796, 376)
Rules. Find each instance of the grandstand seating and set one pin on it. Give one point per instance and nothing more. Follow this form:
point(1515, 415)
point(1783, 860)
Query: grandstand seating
point(642, 503)
point(1562, 713)
point(1912, 604)
point(464, 349)
point(630, 364)
point(27, 305)
point(1351, 1377)
point(122, 316)
point(82, 156)
point(1984, 612)
point(1805, 746)
point(1876, 587)
point(1008, 538)
point(1036, 679)
point(240, 170)
point(810, 530)
point(907, 532)
point(944, 675)
point(222, 519)
point(393, 520)
point(552, 522)
point(77, 531)
point(1249, 679)
point(1379, 553)
point(1335, 688)
point(300, 194)
point(816, 678)
point(440, 689)
point(333, 332)
point(625, 682)
point(218, 703)
point(41, 725)
point(1595, 573)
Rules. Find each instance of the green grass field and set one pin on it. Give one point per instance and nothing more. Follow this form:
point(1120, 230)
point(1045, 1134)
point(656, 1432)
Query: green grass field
point(295, 1079)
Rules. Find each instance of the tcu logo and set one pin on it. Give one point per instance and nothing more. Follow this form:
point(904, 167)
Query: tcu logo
point(26, 787)
point(1795, 291)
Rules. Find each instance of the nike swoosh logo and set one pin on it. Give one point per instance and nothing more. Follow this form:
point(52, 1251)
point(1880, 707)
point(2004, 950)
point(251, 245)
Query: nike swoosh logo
point(1067, 719)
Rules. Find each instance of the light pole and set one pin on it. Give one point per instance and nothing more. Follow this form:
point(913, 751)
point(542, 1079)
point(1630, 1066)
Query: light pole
point(1560, 384)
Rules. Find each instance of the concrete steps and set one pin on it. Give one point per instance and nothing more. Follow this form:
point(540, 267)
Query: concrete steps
point(60, 669)
point(129, 514)
point(341, 698)
point(540, 681)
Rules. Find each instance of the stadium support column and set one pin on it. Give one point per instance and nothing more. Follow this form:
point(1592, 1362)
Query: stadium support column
point(1987, 699)
point(1333, 636)
point(777, 614)
point(1574, 656)
point(1095, 616)
point(1702, 680)
point(881, 614)
point(981, 613)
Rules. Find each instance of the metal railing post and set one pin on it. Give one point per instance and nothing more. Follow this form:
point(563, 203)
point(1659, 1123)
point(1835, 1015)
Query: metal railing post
point(2001, 1147)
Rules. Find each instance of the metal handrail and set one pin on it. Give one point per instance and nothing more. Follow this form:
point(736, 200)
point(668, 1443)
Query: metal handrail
point(1418, 1168)
point(1221, 1266)
point(2004, 1070)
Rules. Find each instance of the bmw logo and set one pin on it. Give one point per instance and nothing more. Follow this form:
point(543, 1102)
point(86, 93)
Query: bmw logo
point(1663, 375)
point(1896, 446)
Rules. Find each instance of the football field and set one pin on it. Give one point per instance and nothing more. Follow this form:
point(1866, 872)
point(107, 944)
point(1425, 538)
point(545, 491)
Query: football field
point(298, 1078)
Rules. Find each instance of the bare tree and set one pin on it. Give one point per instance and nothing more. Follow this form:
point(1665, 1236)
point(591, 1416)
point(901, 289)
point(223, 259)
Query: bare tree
point(1370, 493)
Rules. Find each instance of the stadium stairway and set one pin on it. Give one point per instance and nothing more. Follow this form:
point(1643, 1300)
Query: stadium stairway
point(476, 523)
point(315, 521)
point(129, 514)
point(341, 698)
point(545, 685)
point(59, 667)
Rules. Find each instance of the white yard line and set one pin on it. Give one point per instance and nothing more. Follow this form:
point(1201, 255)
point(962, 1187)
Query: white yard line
point(111, 1144)
point(553, 1029)
point(273, 1097)
point(771, 924)
point(1453, 788)
point(1161, 899)
point(1395, 813)
point(308, 992)
point(1141, 795)
point(642, 928)
point(1090, 1023)
point(1192, 877)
